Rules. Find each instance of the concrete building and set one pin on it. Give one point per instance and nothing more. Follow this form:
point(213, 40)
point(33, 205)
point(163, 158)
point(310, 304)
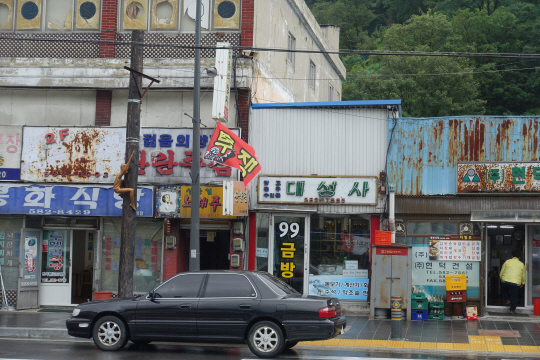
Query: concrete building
point(62, 66)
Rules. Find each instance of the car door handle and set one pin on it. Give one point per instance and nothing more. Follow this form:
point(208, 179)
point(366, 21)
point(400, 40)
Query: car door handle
point(244, 306)
point(185, 306)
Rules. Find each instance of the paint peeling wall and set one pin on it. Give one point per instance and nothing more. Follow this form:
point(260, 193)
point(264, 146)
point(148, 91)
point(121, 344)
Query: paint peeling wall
point(423, 156)
point(276, 79)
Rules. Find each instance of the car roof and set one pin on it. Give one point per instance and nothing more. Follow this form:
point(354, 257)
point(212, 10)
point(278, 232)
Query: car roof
point(222, 271)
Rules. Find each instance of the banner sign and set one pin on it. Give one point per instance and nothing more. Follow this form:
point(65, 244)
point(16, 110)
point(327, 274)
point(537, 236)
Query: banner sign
point(228, 149)
point(431, 274)
point(10, 152)
point(455, 247)
point(210, 202)
point(94, 155)
point(168, 201)
point(80, 200)
point(338, 286)
point(336, 190)
point(498, 178)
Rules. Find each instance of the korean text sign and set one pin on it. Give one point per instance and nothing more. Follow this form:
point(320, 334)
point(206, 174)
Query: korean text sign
point(338, 190)
point(10, 152)
point(455, 247)
point(210, 202)
point(498, 178)
point(338, 286)
point(80, 200)
point(228, 149)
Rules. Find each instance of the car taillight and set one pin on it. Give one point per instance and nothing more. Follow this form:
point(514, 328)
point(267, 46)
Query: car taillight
point(328, 312)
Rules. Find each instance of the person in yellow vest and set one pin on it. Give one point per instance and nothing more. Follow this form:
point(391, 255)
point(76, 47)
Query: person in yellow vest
point(513, 278)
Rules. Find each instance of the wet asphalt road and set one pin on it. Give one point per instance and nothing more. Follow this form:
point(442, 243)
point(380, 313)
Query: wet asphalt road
point(86, 350)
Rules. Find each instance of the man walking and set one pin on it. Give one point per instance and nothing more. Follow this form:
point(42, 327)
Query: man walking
point(513, 278)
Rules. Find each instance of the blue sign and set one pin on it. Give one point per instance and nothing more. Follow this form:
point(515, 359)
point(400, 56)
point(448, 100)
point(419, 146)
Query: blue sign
point(78, 200)
point(338, 286)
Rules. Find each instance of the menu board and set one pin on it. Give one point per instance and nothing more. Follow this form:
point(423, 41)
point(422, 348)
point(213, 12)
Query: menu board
point(454, 248)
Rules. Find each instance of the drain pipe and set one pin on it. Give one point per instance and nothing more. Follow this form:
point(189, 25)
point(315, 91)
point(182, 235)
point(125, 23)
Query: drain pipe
point(392, 215)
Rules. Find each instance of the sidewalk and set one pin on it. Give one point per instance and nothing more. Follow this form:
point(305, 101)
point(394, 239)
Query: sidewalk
point(487, 336)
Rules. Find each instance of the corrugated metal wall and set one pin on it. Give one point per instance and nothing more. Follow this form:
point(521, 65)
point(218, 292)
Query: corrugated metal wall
point(319, 141)
point(424, 151)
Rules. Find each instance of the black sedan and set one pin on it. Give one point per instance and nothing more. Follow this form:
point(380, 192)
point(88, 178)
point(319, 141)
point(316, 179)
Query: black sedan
point(212, 306)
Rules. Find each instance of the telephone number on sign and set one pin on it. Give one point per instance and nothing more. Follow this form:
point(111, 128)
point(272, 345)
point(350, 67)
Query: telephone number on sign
point(79, 174)
point(59, 212)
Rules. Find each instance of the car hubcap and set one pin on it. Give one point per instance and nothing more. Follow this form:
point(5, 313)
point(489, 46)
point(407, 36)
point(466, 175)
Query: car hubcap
point(109, 333)
point(266, 339)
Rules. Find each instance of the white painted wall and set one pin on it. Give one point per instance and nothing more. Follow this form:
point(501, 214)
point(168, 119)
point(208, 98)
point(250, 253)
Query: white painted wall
point(275, 80)
point(167, 108)
point(47, 107)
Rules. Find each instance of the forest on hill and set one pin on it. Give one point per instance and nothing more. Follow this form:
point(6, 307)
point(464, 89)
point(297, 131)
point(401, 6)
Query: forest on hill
point(442, 85)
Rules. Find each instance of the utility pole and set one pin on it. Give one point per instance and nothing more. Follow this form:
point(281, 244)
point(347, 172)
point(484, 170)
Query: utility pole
point(129, 218)
point(194, 257)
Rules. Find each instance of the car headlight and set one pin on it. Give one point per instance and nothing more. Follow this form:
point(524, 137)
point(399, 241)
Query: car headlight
point(76, 312)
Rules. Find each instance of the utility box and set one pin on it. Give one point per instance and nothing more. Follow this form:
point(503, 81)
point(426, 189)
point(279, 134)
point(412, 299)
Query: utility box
point(391, 275)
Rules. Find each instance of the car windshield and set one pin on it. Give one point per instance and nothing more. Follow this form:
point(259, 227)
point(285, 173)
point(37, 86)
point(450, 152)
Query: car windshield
point(279, 286)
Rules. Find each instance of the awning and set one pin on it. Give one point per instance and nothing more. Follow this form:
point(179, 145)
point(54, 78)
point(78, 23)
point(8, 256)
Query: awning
point(524, 216)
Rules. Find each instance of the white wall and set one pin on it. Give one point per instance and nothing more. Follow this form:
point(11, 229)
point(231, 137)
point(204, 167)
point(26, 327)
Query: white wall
point(167, 108)
point(47, 107)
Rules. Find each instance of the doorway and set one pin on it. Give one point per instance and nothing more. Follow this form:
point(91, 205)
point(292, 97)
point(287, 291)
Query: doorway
point(215, 250)
point(82, 258)
point(502, 239)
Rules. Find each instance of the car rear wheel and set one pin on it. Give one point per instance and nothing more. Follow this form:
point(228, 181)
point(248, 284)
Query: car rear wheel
point(110, 333)
point(290, 344)
point(265, 339)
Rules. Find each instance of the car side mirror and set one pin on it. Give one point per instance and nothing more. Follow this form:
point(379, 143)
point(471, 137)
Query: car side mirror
point(152, 295)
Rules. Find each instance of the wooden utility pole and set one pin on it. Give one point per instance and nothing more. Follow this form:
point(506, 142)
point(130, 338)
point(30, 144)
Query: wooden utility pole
point(129, 216)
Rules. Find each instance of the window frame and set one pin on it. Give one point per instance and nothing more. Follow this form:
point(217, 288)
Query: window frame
point(203, 282)
point(202, 294)
point(43, 21)
point(291, 45)
point(312, 74)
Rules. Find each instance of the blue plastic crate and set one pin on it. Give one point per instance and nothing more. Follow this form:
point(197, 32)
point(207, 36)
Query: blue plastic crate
point(419, 315)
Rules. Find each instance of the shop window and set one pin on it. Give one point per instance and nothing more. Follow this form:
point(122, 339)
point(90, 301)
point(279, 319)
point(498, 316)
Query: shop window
point(339, 256)
point(50, 15)
point(174, 15)
point(430, 228)
point(148, 253)
point(261, 252)
point(10, 237)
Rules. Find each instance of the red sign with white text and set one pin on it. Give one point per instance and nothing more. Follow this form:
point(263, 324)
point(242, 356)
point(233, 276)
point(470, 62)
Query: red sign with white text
point(227, 148)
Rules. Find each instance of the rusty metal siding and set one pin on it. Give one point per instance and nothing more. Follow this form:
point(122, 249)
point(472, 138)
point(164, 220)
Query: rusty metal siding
point(423, 156)
point(320, 141)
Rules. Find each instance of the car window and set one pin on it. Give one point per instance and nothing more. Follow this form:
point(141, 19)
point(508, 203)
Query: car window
point(280, 287)
point(181, 286)
point(228, 285)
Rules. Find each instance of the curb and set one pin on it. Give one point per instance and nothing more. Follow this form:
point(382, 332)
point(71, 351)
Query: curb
point(36, 333)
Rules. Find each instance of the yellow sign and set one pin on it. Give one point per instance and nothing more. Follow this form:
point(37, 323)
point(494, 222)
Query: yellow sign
point(210, 203)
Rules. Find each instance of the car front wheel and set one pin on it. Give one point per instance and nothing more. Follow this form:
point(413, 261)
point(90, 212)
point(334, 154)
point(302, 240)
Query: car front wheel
point(265, 339)
point(110, 333)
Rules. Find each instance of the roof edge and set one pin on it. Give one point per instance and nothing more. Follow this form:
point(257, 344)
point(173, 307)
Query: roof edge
point(357, 103)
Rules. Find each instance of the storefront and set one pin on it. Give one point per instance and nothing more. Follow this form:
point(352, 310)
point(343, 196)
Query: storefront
point(312, 227)
point(65, 239)
point(473, 182)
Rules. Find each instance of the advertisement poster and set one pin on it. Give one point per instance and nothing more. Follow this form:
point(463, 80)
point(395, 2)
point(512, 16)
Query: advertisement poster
point(338, 286)
point(30, 255)
point(431, 274)
point(210, 202)
point(455, 248)
point(168, 201)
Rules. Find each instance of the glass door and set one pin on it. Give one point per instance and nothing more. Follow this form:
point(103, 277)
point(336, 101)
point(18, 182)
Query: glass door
point(532, 263)
point(289, 248)
point(55, 286)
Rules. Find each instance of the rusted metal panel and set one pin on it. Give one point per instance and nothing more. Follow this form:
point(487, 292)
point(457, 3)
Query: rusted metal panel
point(94, 155)
point(424, 152)
point(501, 178)
point(70, 154)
